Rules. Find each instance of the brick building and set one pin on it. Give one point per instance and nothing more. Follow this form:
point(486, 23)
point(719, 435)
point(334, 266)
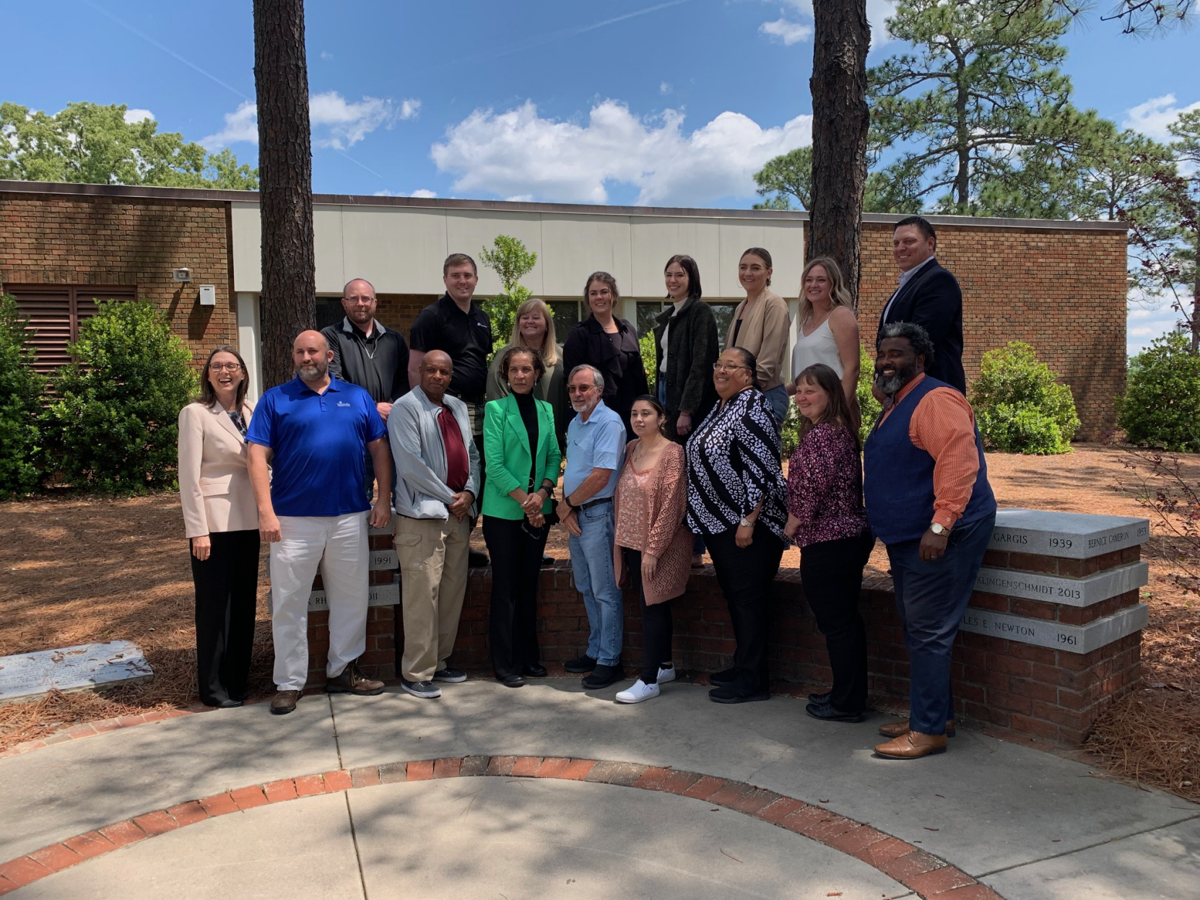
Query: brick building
point(1060, 286)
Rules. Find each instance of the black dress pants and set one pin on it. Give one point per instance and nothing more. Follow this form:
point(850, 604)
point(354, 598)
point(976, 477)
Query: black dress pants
point(745, 576)
point(657, 627)
point(226, 596)
point(832, 572)
point(516, 570)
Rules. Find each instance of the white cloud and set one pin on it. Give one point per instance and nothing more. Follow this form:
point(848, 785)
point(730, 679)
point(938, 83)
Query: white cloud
point(420, 192)
point(788, 32)
point(336, 122)
point(664, 88)
point(783, 28)
point(137, 115)
point(326, 55)
point(517, 153)
point(1152, 117)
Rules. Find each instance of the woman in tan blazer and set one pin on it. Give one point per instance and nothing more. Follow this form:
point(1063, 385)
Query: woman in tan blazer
point(760, 325)
point(222, 526)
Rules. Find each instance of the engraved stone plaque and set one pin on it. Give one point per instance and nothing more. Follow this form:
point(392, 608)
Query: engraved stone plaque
point(1067, 591)
point(383, 559)
point(1071, 535)
point(81, 668)
point(1054, 635)
point(378, 595)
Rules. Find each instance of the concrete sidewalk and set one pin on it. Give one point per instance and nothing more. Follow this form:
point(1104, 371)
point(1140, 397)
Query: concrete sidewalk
point(986, 815)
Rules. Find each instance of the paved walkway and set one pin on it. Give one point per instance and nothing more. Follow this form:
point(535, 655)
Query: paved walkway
point(389, 796)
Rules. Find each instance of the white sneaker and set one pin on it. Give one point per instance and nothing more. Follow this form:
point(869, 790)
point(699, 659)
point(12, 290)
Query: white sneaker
point(665, 675)
point(639, 692)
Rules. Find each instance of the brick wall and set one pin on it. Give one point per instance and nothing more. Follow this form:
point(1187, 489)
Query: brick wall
point(1063, 292)
point(398, 311)
point(79, 240)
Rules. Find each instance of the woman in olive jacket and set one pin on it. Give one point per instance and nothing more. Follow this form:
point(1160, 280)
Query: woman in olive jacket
point(685, 348)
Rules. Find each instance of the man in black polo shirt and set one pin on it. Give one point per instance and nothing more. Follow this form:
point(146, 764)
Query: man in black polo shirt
point(367, 354)
point(457, 326)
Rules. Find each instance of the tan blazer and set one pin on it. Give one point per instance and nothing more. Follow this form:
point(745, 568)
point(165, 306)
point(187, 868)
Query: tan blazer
point(764, 333)
point(214, 484)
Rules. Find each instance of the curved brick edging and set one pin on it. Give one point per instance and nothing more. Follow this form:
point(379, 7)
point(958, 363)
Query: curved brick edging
point(916, 869)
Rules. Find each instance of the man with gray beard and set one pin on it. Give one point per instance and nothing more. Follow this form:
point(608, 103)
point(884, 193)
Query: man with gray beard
point(928, 499)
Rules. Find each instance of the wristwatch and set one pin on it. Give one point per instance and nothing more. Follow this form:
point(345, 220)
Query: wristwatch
point(746, 523)
point(939, 530)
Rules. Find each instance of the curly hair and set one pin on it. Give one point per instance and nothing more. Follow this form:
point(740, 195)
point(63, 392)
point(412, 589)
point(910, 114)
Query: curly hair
point(913, 333)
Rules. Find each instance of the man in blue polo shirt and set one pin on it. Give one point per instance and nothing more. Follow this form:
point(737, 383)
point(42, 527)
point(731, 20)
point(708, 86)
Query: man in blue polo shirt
point(595, 452)
point(318, 429)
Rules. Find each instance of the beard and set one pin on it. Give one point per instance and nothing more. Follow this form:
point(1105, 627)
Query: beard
point(314, 372)
point(891, 385)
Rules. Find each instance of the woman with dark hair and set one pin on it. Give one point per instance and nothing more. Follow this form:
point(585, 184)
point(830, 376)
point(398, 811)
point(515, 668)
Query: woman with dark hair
point(610, 344)
point(520, 451)
point(760, 325)
point(651, 542)
point(826, 518)
point(736, 496)
point(221, 518)
point(685, 347)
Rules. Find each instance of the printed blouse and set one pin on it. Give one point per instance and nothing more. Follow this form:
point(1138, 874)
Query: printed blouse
point(824, 486)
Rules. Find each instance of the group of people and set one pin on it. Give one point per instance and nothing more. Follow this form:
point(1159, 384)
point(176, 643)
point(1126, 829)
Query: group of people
point(429, 429)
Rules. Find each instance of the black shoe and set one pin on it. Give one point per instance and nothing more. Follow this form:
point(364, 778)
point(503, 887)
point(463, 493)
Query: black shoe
point(450, 676)
point(547, 560)
point(513, 681)
point(720, 679)
point(731, 694)
point(227, 703)
point(476, 560)
point(536, 671)
point(580, 664)
point(820, 698)
point(603, 676)
point(827, 713)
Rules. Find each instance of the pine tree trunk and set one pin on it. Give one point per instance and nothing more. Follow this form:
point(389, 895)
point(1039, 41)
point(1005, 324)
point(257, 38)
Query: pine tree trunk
point(840, 120)
point(288, 300)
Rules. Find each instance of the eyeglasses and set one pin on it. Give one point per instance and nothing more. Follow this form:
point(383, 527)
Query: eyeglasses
point(576, 389)
point(224, 367)
point(727, 367)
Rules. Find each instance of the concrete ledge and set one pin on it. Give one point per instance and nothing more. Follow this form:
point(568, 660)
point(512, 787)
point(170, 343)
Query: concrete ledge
point(1064, 591)
point(1054, 635)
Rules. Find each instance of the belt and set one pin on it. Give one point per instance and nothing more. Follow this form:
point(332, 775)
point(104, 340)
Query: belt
point(474, 401)
point(594, 502)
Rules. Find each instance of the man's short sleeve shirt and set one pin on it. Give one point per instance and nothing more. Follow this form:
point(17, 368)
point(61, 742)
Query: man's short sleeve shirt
point(465, 336)
point(598, 443)
point(319, 442)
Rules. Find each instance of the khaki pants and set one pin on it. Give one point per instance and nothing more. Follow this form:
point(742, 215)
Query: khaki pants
point(433, 576)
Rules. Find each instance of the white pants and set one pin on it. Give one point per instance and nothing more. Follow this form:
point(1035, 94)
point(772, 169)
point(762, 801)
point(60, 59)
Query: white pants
point(338, 544)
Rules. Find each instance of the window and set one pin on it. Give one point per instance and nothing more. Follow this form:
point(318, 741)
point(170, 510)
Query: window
point(647, 312)
point(329, 312)
point(55, 313)
point(566, 316)
point(723, 313)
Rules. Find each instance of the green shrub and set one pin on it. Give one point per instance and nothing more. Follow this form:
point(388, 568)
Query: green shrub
point(647, 350)
point(1019, 405)
point(1161, 407)
point(21, 456)
point(867, 404)
point(114, 417)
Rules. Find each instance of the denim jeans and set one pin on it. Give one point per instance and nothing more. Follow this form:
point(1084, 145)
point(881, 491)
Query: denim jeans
point(931, 598)
point(592, 565)
point(778, 399)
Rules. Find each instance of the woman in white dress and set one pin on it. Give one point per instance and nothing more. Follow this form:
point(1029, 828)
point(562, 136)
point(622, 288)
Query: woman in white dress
point(827, 328)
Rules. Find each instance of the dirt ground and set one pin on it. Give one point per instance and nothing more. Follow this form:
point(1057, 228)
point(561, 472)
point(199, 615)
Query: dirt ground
point(80, 570)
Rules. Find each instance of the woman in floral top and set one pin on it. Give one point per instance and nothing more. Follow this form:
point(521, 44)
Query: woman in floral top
point(826, 518)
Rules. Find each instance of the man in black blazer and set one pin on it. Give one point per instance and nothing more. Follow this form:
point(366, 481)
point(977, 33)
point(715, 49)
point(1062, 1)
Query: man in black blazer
point(928, 296)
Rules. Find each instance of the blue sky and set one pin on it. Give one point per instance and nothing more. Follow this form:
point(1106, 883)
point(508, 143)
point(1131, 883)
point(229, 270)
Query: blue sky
point(675, 102)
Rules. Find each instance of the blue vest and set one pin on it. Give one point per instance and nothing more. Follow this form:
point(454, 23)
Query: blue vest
point(898, 476)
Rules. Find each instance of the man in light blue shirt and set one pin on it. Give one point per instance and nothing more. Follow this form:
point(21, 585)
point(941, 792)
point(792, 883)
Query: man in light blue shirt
point(595, 453)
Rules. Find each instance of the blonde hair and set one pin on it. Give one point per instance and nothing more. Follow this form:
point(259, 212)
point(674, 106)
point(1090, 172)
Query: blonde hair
point(549, 348)
point(838, 293)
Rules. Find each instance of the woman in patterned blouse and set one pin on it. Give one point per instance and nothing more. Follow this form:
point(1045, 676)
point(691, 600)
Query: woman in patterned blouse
point(826, 518)
point(652, 544)
point(736, 496)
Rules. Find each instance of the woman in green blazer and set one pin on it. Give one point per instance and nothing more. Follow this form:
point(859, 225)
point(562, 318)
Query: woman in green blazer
point(521, 455)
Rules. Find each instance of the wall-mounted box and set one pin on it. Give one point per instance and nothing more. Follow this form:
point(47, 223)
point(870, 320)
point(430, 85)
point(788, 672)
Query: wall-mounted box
point(208, 295)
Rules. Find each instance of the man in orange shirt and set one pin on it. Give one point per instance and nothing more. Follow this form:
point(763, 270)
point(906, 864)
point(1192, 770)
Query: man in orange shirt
point(928, 499)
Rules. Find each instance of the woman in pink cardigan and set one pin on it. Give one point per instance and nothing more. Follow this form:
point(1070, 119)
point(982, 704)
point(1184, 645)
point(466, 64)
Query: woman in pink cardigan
point(651, 541)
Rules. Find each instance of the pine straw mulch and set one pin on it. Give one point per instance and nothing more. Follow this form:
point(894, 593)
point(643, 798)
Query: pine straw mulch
point(80, 570)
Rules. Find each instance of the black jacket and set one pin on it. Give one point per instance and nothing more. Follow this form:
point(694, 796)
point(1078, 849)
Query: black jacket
point(933, 300)
point(692, 348)
point(378, 365)
point(617, 358)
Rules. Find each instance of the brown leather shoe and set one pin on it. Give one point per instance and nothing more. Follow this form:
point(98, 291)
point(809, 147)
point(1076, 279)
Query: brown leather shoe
point(895, 729)
point(352, 681)
point(284, 702)
point(912, 745)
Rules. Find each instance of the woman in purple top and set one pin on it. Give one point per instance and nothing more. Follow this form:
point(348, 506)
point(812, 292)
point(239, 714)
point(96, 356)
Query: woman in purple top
point(826, 519)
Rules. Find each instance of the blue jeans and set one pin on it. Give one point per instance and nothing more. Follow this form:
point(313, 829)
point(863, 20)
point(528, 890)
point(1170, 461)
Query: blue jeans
point(778, 399)
point(931, 598)
point(592, 565)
